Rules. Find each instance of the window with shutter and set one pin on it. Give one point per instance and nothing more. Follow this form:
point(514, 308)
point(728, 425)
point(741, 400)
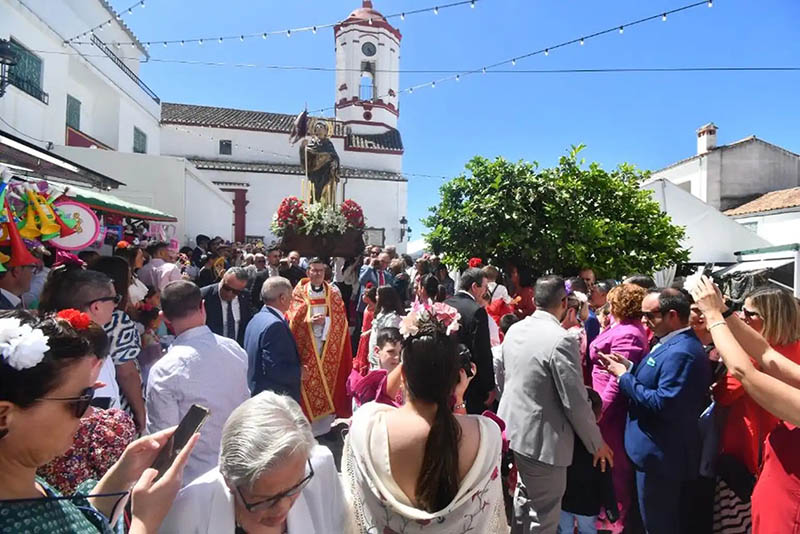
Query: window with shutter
point(27, 73)
point(139, 141)
point(225, 147)
point(73, 112)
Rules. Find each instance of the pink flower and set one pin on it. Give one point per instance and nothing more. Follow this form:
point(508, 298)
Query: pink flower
point(408, 325)
point(447, 315)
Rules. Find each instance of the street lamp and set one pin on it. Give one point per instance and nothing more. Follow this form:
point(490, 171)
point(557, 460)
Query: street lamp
point(8, 58)
point(403, 227)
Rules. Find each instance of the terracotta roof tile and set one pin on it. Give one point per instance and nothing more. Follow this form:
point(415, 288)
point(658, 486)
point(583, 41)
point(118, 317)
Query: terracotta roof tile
point(210, 116)
point(774, 200)
point(285, 168)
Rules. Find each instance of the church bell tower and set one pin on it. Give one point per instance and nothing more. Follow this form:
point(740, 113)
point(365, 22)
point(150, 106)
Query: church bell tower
point(367, 78)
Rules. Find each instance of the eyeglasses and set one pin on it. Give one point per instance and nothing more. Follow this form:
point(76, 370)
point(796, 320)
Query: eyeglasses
point(226, 287)
point(749, 314)
point(79, 404)
point(266, 504)
point(116, 299)
point(652, 314)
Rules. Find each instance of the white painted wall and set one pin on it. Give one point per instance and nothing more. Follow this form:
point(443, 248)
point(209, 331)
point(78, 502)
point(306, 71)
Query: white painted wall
point(778, 229)
point(262, 147)
point(110, 99)
point(169, 184)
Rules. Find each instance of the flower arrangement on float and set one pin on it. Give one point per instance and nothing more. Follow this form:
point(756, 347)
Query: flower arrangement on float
point(318, 219)
point(320, 227)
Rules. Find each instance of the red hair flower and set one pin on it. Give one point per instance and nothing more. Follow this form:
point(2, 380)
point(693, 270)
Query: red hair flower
point(475, 262)
point(77, 319)
point(123, 244)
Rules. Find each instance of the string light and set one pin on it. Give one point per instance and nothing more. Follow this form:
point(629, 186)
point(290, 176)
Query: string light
point(433, 85)
point(220, 40)
point(664, 17)
point(514, 62)
point(182, 43)
point(546, 51)
point(264, 36)
point(288, 33)
point(107, 23)
point(313, 29)
point(241, 38)
point(710, 3)
point(458, 77)
point(200, 42)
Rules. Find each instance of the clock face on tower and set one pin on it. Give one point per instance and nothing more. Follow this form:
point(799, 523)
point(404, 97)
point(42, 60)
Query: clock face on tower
point(368, 49)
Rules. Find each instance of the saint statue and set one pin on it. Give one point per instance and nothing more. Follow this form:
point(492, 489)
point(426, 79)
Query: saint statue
point(319, 160)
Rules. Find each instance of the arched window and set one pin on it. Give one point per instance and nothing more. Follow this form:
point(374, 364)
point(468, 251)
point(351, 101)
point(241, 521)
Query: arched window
point(367, 86)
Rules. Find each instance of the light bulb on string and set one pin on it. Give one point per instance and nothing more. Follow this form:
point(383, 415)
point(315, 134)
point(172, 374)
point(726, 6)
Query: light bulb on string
point(547, 51)
point(141, 3)
point(220, 40)
point(241, 38)
point(514, 62)
point(710, 3)
point(314, 30)
point(182, 43)
point(165, 44)
point(483, 70)
point(288, 33)
point(200, 41)
point(581, 41)
point(130, 11)
point(458, 77)
point(664, 17)
point(264, 36)
point(436, 10)
point(402, 16)
point(433, 85)
point(621, 29)
point(410, 90)
point(472, 4)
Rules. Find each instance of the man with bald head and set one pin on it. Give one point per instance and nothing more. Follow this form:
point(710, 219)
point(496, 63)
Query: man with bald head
point(667, 392)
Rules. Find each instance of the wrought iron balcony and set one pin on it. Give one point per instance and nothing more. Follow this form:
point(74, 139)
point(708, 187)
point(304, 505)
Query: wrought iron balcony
point(121, 64)
point(29, 87)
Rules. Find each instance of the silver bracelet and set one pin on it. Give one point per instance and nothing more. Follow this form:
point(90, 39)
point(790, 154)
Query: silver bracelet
point(714, 325)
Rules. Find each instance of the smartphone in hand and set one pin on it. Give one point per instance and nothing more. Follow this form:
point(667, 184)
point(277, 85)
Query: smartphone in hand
point(189, 426)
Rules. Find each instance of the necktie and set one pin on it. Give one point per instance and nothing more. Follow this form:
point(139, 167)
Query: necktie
point(230, 327)
point(380, 278)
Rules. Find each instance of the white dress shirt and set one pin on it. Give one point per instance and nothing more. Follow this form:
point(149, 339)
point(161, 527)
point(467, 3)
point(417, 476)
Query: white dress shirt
point(11, 297)
point(236, 315)
point(199, 368)
point(157, 273)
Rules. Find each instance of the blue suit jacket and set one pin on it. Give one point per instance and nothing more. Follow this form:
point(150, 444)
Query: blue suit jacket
point(368, 274)
point(667, 392)
point(273, 362)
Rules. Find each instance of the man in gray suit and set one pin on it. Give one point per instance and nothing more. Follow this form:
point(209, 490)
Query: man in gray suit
point(544, 405)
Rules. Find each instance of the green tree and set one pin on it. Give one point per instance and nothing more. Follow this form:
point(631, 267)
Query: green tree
point(554, 220)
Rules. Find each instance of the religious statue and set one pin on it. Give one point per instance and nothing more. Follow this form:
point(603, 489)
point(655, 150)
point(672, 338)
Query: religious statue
point(319, 160)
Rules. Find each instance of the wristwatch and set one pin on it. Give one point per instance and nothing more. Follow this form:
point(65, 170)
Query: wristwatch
point(727, 313)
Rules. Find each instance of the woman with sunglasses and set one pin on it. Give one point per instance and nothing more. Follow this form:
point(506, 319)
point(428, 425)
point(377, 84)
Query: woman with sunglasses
point(773, 381)
point(47, 378)
point(773, 313)
point(272, 478)
point(124, 338)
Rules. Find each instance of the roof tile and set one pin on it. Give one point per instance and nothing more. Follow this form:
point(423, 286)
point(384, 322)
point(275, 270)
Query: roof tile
point(284, 168)
point(774, 200)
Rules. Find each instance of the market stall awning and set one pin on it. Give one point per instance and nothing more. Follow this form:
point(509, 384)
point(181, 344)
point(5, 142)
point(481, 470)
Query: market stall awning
point(754, 266)
point(27, 158)
point(111, 204)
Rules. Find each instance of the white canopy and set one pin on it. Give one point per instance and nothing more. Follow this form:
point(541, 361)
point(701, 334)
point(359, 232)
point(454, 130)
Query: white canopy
point(711, 237)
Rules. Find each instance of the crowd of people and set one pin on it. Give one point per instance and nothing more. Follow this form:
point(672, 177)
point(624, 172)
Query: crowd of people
point(384, 394)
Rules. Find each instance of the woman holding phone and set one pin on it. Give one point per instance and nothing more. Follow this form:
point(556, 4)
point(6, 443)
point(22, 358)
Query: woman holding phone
point(47, 378)
point(773, 381)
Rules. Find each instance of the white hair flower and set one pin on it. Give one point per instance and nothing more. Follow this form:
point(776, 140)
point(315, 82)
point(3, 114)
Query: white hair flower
point(21, 346)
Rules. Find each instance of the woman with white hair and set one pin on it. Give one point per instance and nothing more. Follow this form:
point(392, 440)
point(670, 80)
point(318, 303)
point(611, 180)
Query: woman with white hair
point(272, 478)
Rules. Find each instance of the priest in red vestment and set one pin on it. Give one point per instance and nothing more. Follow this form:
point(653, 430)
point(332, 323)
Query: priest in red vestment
point(318, 320)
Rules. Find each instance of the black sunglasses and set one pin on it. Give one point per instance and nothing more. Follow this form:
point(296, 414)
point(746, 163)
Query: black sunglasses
point(79, 404)
point(116, 299)
point(749, 314)
point(226, 287)
point(652, 314)
point(266, 504)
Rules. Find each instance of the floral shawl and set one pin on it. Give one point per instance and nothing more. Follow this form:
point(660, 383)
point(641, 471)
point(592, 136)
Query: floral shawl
point(381, 507)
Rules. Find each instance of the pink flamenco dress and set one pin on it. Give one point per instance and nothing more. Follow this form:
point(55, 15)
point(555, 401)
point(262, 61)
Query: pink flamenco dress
point(629, 339)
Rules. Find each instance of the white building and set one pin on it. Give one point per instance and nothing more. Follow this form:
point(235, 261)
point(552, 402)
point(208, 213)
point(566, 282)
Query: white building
point(76, 94)
point(248, 154)
point(774, 216)
point(726, 176)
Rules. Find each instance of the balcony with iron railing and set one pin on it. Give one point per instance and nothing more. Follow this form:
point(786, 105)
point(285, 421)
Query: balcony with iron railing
point(124, 68)
point(27, 86)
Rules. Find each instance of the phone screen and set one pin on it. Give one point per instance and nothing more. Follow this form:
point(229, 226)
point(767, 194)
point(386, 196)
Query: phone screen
point(189, 425)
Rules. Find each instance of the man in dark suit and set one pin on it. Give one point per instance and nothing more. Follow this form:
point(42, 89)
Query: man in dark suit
point(15, 282)
point(667, 392)
point(474, 333)
point(201, 249)
point(377, 272)
point(273, 360)
point(292, 270)
point(228, 305)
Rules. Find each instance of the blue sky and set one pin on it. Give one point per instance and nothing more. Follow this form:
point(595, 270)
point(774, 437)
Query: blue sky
point(647, 119)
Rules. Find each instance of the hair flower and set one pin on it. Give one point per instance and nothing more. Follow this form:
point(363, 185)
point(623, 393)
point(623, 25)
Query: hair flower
point(77, 319)
point(21, 346)
point(408, 325)
point(475, 262)
point(123, 244)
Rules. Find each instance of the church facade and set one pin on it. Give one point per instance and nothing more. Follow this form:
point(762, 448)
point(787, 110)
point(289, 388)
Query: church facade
point(248, 155)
